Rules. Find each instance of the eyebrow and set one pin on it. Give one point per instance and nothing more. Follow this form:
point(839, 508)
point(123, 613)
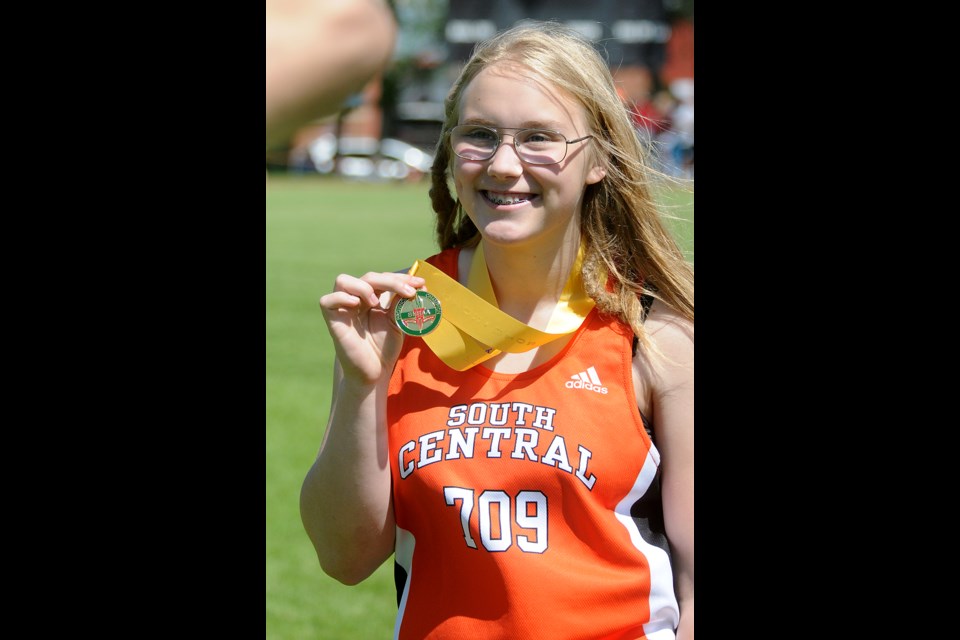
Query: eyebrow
point(529, 124)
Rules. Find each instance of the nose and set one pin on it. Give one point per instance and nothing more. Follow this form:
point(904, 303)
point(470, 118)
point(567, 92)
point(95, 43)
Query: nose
point(505, 161)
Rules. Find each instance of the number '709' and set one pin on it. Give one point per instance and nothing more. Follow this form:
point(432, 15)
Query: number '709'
point(527, 502)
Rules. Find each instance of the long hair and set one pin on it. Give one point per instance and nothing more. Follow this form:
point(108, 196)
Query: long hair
point(629, 251)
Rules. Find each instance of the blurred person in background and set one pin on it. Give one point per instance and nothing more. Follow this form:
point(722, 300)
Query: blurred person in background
point(531, 473)
point(682, 125)
point(319, 53)
point(673, 143)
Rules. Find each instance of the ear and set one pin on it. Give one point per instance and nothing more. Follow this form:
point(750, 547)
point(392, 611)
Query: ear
point(596, 174)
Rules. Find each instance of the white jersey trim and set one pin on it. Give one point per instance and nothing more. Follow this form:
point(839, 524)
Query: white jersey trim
point(403, 555)
point(664, 610)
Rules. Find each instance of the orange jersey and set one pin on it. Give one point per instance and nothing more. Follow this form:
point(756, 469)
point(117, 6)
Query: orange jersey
point(527, 505)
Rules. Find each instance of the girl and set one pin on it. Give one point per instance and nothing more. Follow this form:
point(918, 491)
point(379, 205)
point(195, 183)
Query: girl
point(513, 418)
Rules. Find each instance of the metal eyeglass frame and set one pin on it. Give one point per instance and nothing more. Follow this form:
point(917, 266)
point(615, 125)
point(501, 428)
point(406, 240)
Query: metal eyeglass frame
point(496, 131)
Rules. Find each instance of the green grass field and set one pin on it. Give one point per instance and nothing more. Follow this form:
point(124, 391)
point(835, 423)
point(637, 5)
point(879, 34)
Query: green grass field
point(316, 228)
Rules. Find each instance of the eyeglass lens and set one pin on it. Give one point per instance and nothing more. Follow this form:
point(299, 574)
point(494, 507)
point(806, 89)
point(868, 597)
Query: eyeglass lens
point(535, 146)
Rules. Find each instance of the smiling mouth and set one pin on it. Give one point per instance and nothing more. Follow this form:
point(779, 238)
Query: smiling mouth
point(507, 198)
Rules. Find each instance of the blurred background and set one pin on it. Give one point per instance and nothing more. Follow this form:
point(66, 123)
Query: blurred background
point(349, 194)
point(389, 130)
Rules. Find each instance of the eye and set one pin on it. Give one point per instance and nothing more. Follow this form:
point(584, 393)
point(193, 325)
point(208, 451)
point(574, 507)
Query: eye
point(540, 136)
point(479, 134)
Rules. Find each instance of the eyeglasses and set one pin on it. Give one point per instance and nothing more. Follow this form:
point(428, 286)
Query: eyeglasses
point(534, 146)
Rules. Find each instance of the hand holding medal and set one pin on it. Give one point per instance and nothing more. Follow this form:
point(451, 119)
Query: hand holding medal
point(360, 321)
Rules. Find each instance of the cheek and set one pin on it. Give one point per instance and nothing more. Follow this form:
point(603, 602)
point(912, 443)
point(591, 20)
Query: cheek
point(464, 173)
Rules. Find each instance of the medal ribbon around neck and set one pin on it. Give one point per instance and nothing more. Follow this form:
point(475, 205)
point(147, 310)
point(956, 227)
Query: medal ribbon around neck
point(474, 329)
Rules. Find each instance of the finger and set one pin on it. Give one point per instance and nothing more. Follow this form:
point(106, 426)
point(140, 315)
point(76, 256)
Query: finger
point(361, 288)
point(386, 299)
point(377, 289)
point(339, 300)
point(393, 281)
point(412, 284)
point(390, 285)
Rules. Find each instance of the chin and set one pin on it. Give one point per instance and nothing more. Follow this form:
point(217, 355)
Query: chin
point(504, 235)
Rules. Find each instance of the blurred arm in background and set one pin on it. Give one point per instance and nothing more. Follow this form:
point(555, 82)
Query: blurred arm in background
point(319, 52)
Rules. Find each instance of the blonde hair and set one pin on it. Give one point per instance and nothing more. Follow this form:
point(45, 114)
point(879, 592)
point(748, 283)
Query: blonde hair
point(629, 252)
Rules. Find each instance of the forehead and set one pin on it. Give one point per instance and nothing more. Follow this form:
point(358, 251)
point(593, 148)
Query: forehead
point(508, 94)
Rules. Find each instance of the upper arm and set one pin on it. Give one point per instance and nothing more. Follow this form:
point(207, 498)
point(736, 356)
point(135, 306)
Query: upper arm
point(669, 387)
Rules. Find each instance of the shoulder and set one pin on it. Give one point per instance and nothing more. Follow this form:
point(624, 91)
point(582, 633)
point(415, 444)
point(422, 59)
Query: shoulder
point(671, 333)
point(667, 368)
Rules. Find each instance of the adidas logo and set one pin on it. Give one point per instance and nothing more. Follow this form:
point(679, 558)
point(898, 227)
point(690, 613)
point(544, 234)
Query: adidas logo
point(586, 380)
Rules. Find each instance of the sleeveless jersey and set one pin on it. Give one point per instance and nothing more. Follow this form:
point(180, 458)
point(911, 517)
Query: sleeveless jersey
point(527, 505)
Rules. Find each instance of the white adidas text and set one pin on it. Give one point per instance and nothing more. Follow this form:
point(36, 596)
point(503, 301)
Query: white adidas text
point(588, 380)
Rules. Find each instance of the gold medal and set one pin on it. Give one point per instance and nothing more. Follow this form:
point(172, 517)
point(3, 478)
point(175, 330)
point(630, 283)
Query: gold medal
point(419, 315)
point(474, 328)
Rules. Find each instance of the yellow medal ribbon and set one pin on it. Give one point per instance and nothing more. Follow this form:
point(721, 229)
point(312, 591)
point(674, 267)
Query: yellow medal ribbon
point(474, 329)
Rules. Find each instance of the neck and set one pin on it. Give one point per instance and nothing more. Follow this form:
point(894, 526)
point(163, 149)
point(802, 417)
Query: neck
point(528, 281)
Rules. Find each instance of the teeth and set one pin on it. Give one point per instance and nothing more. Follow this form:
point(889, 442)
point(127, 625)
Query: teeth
point(505, 199)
